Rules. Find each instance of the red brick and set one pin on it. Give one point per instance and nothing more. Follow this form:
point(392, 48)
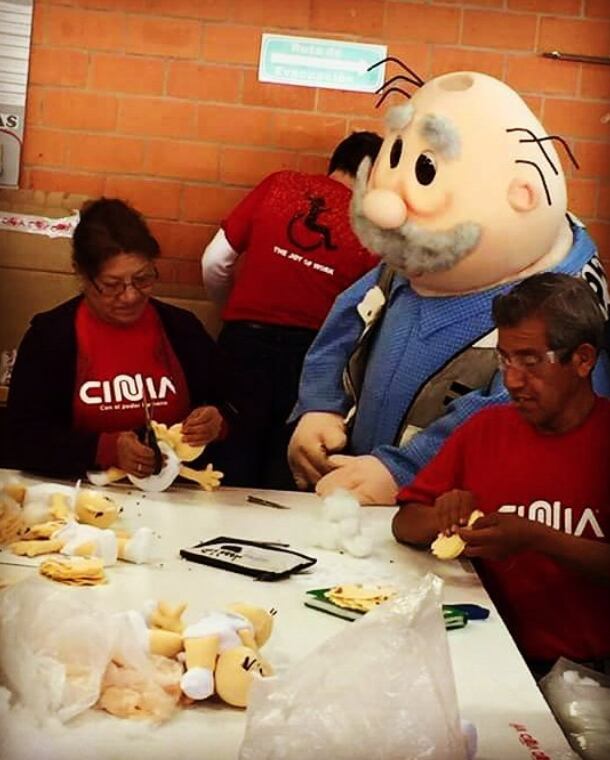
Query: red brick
point(421, 23)
point(340, 101)
point(446, 59)
point(186, 160)
point(534, 102)
point(189, 272)
point(235, 124)
point(106, 153)
point(153, 198)
point(43, 147)
point(240, 166)
point(176, 38)
point(556, 7)
point(534, 74)
point(201, 82)
point(211, 204)
point(582, 196)
point(91, 185)
point(79, 110)
point(574, 36)
point(231, 44)
point(600, 232)
point(359, 124)
point(40, 24)
point(509, 31)
point(481, 3)
point(416, 55)
point(257, 93)
point(595, 82)
point(205, 10)
point(86, 30)
point(156, 117)
point(281, 13)
point(311, 164)
point(597, 8)
point(178, 240)
point(107, 5)
point(33, 104)
point(133, 74)
point(356, 17)
point(308, 131)
point(58, 66)
point(575, 118)
point(594, 159)
point(603, 207)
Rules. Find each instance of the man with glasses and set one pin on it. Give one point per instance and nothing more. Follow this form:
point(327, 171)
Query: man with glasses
point(84, 368)
point(539, 471)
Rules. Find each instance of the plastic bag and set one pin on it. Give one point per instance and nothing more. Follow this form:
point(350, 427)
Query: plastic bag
point(383, 688)
point(54, 648)
point(580, 699)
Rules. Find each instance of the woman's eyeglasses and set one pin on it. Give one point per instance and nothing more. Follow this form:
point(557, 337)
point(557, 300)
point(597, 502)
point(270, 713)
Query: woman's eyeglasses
point(114, 288)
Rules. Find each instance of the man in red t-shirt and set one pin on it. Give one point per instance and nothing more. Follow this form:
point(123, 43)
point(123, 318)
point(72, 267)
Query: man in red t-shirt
point(538, 470)
point(291, 240)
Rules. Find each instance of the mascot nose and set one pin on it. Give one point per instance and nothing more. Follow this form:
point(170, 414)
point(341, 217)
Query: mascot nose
point(384, 208)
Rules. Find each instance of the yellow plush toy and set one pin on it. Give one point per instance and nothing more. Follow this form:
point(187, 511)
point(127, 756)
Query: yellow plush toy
point(175, 452)
point(221, 650)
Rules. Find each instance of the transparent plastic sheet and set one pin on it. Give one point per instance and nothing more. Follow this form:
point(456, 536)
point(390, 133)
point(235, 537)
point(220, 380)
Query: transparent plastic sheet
point(54, 648)
point(381, 689)
point(580, 699)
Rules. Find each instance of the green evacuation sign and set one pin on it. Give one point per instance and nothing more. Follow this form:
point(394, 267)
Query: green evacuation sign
point(313, 62)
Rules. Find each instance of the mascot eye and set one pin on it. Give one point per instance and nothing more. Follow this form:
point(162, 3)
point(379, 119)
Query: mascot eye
point(395, 153)
point(425, 169)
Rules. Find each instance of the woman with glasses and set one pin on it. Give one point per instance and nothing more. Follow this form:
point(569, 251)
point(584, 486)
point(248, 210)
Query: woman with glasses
point(85, 369)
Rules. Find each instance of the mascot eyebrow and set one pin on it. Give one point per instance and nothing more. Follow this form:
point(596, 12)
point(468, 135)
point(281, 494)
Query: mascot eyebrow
point(414, 79)
point(532, 138)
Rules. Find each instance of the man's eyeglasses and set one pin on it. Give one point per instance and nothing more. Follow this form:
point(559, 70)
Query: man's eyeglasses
point(531, 363)
point(114, 288)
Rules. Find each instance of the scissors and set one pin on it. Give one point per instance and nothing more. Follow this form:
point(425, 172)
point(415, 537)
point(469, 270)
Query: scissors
point(147, 435)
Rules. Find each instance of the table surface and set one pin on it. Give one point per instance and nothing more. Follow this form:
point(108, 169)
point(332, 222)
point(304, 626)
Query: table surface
point(495, 689)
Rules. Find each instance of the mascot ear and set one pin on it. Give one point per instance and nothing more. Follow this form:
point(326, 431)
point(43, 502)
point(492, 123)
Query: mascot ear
point(522, 195)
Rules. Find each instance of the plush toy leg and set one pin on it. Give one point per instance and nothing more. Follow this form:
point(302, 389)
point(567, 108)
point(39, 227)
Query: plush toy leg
point(209, 479)
point(165, 617)
point(137, 548)
point(235, 671)
point(167, 643)
point(105, 477)
point(198, 681)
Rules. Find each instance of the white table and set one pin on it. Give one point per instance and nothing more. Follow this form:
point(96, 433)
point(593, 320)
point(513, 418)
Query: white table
point(494, 686)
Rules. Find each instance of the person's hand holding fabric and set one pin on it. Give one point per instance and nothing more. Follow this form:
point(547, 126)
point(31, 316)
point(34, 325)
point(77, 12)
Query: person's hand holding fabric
point(202, 426)
point(133, 456)
point(316, 435)
point(366, 477)
point(498, 536)
point(453, 509)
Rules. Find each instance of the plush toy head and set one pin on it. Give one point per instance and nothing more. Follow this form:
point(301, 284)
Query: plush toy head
point(467, 190)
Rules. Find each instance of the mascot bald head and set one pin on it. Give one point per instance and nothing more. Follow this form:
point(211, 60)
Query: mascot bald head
point(467, 191)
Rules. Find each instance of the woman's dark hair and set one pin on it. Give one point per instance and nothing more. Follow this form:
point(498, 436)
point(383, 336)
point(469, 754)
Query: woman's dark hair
point(107, 227)
point(567, 305)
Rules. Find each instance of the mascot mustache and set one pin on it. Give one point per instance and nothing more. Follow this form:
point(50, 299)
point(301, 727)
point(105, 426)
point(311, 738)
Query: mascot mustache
point(410, 249)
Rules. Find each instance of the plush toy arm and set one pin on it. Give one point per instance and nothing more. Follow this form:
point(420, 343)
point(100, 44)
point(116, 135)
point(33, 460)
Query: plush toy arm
point(406, 461)
point(209, 479)
point(321, 387)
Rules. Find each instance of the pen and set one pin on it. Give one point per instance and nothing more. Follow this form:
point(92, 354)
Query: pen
point(265, 502)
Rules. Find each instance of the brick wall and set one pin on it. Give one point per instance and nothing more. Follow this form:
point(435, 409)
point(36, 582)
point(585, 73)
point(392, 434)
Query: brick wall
point(157, 101)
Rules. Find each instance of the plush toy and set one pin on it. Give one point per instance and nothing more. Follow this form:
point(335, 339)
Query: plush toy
point(222, 653)
point(175, 452)
point(74, 522)
point(466, 196)
point(339, 527)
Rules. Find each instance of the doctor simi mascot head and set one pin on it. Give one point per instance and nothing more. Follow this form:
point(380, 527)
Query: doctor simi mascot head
point(467, 191)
